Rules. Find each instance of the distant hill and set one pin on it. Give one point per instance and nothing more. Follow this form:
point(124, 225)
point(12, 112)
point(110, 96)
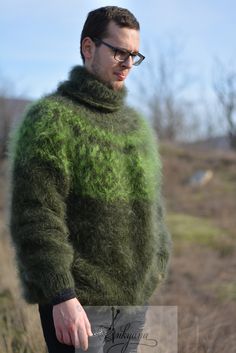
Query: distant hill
point(212, 143)
point(12, 108)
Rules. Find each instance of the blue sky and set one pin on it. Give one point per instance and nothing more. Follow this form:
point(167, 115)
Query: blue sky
point(40, 39)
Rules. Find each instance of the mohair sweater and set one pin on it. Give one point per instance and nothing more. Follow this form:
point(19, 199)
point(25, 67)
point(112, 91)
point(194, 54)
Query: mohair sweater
point(86, 210)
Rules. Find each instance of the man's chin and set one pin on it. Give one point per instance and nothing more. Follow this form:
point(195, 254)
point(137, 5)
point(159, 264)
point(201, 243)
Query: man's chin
point(117, 85)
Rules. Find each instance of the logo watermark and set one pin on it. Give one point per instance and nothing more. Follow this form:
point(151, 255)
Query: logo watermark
point(124, 329)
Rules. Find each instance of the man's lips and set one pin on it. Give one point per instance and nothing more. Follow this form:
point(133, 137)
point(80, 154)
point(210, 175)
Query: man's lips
point(121, 76)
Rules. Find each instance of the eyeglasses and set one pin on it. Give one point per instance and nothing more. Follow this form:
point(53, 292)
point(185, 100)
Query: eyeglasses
point(121, 54)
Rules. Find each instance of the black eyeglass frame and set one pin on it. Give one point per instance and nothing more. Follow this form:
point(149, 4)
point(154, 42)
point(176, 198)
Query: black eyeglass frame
point(116, 49)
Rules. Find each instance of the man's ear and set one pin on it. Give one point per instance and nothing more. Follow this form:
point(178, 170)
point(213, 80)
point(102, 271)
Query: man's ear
point(88, 48)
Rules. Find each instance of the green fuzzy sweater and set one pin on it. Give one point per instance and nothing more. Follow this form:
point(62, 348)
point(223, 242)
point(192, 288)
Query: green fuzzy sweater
point(86, 210)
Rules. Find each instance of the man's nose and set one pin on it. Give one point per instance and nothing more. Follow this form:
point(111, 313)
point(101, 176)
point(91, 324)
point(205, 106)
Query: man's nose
point(128, 63)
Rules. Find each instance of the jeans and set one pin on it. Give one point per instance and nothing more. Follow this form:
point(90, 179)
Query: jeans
point(115, 330)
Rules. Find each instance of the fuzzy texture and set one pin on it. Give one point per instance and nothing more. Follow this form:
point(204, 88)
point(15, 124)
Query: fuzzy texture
point(86, 208)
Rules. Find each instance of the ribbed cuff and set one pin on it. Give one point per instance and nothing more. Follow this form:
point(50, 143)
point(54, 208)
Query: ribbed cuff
point(66, 294)
point(54, 283)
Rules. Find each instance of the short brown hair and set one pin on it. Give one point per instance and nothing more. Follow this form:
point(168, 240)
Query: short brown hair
point(97, 22)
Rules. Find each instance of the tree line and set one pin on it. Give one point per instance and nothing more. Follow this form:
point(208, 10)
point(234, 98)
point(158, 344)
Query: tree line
point(174, 115)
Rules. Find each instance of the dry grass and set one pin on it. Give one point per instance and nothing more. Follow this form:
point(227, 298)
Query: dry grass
point(201, 280)
point(20, 331)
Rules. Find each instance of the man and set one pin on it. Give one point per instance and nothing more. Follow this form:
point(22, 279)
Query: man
point(86, 210)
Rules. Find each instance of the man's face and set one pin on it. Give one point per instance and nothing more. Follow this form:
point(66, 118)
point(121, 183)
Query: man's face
point(104, 65)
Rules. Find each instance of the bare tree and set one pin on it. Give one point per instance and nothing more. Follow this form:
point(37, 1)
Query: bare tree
point(12, 107)
point(225, 89)
point(4, 126)
point(170, 112)
point(5, 115)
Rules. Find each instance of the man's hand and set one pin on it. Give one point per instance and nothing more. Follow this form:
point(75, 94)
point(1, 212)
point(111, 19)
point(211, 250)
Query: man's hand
point(71, 324)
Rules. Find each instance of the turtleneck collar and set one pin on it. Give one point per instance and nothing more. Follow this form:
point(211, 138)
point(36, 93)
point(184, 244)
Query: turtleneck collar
point(84, 87)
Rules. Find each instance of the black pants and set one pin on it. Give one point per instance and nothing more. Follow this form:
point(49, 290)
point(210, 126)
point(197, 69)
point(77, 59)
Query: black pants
point(112, 329)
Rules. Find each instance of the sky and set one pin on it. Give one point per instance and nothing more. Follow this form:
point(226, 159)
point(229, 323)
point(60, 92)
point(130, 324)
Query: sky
point(40, 39)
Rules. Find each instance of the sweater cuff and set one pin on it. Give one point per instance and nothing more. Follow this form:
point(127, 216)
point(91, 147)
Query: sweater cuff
point(55, 283)
point(66, 294)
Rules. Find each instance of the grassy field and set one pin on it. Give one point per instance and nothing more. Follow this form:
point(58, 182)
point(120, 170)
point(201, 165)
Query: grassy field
point(201, 282)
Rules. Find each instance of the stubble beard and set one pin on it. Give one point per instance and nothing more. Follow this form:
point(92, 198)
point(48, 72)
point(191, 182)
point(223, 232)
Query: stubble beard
point(96, 71)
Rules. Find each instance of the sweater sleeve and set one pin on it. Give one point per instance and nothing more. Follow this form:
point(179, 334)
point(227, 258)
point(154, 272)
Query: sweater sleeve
point(163, 235)
point(66, 294)
point(164, 250)
point(40, 185)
